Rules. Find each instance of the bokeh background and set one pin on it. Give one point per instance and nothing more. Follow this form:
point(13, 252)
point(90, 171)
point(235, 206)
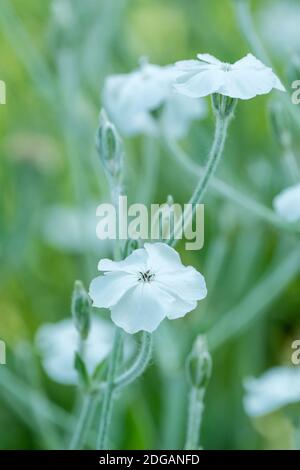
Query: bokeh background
point(55, 56)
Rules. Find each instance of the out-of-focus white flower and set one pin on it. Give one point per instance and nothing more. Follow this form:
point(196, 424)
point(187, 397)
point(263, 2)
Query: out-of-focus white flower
point(149, 285)
point(276, 388)
point(57, 343)
point(244, 79)
point(279, 24)
point(132, 99)
point(73, 230)
point(287, 203)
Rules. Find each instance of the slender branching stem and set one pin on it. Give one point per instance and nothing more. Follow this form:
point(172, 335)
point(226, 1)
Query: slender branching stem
point(83, 423)
point(222, 122)
point(140, 364)
point(227, 191)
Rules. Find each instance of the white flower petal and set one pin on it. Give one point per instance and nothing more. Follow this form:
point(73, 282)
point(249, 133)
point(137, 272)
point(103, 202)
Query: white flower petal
point(142, 309)
point(162, 258)
point(135, 262)
point(105, 291)
point(249, 61)
point(187, 283)
point(244, 79)
point(200, 84)
point(180, 308)
point(246, 84)
point(276, 388)
point(252, 63)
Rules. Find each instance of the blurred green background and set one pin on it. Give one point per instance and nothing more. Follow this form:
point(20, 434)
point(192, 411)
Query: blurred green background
point(54, 69)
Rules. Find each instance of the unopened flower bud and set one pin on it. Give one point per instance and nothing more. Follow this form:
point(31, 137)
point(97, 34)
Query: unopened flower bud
point(109, 146)
point(199, 364)
point(81, 310)
point(223, 105)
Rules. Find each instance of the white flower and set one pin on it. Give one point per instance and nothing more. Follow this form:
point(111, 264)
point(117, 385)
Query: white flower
point(57, 343)
point(244, 79)
point(287, 203)
point(276, 388)
point(149, 285)
point(131, 100)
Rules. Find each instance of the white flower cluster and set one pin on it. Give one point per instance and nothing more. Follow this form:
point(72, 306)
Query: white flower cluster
point(151, 283)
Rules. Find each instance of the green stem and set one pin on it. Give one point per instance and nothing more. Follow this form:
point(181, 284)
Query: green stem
point(222, 123)
point(214, 159)
point(139, 365)
point(83, 423)
point(195, 412)
point(109, 392)
point(232, 194)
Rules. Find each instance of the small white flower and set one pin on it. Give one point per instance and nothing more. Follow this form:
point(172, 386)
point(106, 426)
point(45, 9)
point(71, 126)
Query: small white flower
point(244, 79)
point(57, 343)
point(149, 285)
point(131, 99)
point(287, 203)
point(275, 389)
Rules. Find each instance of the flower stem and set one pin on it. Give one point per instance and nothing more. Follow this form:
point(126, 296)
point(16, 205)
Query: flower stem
point(109, 391)
point(227, 191)
point(82, 426)
point(195, 412)
point(140, 364)
point(222, 122)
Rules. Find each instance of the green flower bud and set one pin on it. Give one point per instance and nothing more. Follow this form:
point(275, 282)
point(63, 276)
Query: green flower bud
point(223, 105)
point(199, 364)
point(81, 310)
point(110, 149)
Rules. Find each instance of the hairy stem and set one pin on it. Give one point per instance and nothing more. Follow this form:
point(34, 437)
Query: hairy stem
point(139, 365)
point(229, 192)
point(215, 155)
point(109, 392)
point(83, 423)
point(195, 412)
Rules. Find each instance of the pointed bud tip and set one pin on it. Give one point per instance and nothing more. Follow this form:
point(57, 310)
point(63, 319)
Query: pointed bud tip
point(199, 364)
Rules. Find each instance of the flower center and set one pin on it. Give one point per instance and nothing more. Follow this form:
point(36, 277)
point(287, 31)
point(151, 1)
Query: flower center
point(147, 276)
point(226, 67)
